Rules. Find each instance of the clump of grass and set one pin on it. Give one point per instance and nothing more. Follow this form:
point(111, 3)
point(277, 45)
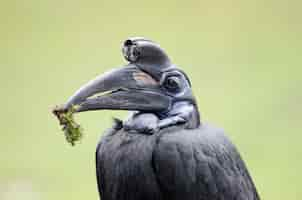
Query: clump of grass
point(72, 130)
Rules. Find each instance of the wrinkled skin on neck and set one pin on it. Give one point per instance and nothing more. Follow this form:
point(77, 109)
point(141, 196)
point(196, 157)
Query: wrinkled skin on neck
point(149, 123)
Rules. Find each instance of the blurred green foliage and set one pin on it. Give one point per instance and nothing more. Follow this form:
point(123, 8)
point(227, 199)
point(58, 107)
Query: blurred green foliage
point(243, 57)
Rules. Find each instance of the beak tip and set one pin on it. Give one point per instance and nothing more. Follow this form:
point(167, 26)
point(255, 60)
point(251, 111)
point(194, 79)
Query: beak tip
point(59, 109)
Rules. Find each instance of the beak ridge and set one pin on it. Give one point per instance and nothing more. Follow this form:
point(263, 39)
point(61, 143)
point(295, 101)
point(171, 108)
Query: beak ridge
point(120, 89)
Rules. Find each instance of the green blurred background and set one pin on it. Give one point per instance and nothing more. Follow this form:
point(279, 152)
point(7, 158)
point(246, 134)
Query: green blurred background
point(243, 57)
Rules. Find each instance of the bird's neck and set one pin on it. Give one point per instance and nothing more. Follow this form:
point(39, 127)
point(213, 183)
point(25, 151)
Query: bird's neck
point(186, 110)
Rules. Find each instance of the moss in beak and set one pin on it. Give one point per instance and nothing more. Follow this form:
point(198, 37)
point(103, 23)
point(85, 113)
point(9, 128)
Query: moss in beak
point(72, 130)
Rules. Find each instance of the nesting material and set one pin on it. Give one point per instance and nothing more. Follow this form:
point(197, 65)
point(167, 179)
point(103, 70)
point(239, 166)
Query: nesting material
point(72, 130)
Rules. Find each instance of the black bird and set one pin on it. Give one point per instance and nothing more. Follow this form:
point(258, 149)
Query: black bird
point(162, 151)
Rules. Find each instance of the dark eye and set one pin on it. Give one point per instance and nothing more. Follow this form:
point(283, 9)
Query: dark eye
point(136, 52)
point(172, 84)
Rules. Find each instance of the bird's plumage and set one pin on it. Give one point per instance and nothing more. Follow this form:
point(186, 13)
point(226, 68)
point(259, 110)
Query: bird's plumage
point(162, 151)
point(174, 163)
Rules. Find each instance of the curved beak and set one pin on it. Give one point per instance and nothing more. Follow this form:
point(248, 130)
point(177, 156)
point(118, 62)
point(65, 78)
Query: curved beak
point(126, 88)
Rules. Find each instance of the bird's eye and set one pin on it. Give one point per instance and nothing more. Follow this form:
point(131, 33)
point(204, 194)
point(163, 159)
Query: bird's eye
point(136, 52)
point(172, 84)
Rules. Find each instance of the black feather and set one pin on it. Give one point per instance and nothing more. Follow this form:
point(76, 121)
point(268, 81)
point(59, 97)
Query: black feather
point(175, 163)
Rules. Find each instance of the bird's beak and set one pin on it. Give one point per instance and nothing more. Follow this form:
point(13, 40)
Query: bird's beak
point(126, 88)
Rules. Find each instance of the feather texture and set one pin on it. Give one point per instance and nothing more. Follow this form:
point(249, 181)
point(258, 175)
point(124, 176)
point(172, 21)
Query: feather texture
point(174, 163)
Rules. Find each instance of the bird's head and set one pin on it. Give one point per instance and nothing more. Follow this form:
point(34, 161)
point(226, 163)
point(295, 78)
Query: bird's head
point(148, 83)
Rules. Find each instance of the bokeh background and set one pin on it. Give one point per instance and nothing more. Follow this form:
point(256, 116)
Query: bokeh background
point(243, 57)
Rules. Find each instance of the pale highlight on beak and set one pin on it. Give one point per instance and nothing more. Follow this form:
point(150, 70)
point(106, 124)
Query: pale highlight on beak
point(143, 78)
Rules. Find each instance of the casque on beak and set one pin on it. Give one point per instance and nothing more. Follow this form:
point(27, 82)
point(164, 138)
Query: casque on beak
point(126, 88)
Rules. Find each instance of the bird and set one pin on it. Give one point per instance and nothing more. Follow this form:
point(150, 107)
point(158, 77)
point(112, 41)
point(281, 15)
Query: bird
point(163, 150)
